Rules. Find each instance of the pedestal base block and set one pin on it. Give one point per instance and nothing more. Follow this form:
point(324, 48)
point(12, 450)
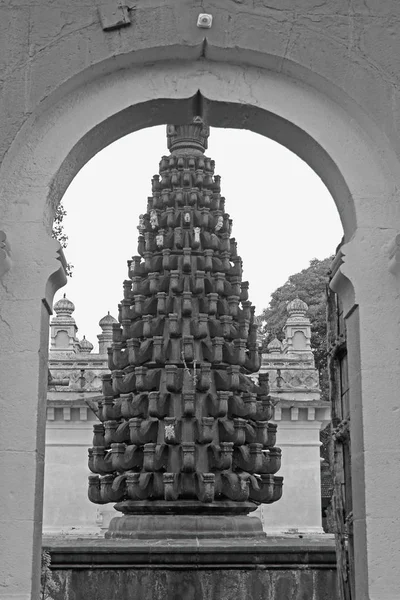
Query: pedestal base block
point(184, 527)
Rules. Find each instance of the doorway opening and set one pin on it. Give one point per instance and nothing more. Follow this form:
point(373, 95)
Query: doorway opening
point(283, 216)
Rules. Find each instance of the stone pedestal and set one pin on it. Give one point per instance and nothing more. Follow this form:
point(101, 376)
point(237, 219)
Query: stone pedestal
point(185, 526)
point(186, 519)
point(270, 569)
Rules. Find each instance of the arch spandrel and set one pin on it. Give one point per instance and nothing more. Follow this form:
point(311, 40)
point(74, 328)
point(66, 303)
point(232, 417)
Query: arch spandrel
point(98, 113)
point(336, 44)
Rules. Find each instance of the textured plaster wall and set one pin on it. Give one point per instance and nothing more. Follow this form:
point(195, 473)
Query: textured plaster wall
point(322, 78)
point(300, 507)
point(66, 506)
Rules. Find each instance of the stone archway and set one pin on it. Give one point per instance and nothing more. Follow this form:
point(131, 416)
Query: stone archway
point(66, 132)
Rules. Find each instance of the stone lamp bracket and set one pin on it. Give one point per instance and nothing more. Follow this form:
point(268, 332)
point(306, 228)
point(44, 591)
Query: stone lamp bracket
point(5, 260)
point(394, 255)
point(114, 16)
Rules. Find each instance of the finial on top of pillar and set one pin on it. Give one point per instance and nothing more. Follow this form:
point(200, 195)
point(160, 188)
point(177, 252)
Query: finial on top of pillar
point(191, 137)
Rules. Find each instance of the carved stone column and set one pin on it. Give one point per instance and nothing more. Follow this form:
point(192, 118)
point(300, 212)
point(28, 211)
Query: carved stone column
point(186, 442)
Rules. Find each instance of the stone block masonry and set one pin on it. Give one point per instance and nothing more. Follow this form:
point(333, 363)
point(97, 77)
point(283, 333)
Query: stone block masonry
point(273, 569)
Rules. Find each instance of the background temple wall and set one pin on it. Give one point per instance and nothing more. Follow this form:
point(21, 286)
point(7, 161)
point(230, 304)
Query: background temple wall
point(75, 376)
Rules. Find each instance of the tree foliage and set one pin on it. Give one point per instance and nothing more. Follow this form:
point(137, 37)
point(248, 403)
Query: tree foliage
point(309, 285)
point(59, 234)
point(48, 585)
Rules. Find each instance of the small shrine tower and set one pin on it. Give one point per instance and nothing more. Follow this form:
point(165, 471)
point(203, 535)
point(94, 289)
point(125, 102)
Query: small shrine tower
point(63, 329)
point(301, 414)
point(106, 336)
point(297, 330)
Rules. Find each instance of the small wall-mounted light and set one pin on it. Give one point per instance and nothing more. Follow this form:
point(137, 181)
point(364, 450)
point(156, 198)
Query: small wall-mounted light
point(204, 21)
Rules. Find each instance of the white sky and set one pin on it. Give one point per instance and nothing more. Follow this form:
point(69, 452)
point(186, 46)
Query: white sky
point(283, 216)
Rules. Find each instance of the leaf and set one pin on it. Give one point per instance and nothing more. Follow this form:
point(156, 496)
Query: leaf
point(59, 234)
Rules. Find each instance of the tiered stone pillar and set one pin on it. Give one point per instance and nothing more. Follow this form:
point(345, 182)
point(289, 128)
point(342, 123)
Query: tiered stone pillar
point(184, 431)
